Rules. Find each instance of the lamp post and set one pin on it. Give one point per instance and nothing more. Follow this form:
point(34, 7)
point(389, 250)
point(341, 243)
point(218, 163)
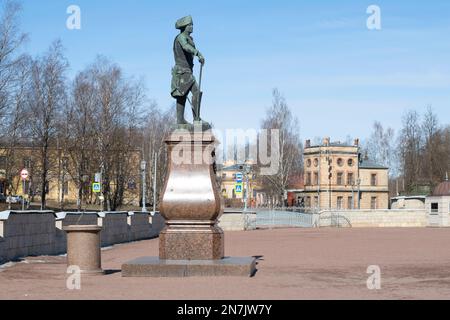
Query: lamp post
point(247, 170)
point(154, 183)
point(144, 186)
point(359, 193)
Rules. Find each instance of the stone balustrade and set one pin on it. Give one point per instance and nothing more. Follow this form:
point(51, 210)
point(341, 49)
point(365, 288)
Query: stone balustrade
point(36, 233)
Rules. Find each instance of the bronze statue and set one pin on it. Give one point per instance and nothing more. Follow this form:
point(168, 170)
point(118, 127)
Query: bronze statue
point(183, 80)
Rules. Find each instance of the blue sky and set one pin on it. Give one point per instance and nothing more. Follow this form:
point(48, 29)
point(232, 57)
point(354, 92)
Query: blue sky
point(337, 76)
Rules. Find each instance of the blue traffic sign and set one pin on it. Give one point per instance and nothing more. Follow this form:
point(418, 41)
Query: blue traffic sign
point(96, 187)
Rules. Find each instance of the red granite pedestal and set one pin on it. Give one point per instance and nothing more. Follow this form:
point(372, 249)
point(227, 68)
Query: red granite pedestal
point(191, 244)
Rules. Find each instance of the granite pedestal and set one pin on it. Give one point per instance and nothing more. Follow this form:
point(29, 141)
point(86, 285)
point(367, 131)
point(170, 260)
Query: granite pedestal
point(154, 267)
point(191, 244)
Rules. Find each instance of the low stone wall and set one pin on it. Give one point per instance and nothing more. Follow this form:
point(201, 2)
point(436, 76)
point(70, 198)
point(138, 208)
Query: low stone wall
point(375, 218)
point(237, 221)
point(40, 232)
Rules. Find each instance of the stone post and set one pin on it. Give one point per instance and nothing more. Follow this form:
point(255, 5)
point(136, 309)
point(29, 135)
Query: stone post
point(84, 248)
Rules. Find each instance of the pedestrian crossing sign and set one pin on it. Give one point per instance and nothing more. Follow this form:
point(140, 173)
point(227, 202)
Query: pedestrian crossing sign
point(238, 188)
point(96, 187)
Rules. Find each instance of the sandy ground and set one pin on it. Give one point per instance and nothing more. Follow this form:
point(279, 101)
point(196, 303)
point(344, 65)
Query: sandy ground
point(293, 264)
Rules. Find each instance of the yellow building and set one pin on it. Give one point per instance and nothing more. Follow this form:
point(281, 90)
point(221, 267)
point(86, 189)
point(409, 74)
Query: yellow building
point(227, 177)
point(62, 186)
point(336, 177)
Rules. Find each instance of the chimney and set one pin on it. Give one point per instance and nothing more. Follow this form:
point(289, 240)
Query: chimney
point(326, 141)
point(356, 143)
point(308, 144)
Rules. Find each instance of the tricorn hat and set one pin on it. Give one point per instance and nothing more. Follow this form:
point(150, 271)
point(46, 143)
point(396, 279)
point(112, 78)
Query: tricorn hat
point(183, 22)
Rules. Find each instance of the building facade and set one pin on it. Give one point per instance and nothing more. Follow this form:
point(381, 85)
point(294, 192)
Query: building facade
point(61, 186)
point(336, 177)
point(438, 205)
point(227, 178)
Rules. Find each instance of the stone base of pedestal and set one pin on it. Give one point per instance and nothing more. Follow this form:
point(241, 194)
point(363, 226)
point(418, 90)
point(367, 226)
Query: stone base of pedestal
point(191, 243)
point(156, 268)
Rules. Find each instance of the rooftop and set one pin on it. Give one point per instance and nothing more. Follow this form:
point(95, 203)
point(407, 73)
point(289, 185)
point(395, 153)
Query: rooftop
point(442, 190)
point(368, 164)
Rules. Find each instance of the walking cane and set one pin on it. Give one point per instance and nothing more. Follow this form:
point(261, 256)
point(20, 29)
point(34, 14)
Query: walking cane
point(200, 93)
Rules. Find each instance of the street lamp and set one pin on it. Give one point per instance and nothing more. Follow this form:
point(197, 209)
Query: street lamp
point(247, 170)
point(144, 186)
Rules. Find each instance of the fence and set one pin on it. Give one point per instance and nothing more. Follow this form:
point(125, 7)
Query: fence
point(291, 217)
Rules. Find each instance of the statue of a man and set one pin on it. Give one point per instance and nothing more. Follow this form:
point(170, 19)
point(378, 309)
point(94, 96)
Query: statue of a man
point(183, 80)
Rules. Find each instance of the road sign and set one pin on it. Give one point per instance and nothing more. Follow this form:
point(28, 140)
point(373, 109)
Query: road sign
point(96, 187)
point(239, 177)
point(24, 174)
point(238, 188)
point(98, 177)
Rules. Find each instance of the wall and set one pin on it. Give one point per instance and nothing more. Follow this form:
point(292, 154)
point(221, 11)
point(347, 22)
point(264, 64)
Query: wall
point(41, 233)
point(442, 217)
point(377, 218)
point(405, 203)
point(236, 221)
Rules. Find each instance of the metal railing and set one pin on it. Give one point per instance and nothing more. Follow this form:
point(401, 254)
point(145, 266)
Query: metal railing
point(282, 218)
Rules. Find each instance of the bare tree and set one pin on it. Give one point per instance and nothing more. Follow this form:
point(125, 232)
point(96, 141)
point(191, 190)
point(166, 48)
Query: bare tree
point(158, 125)
point(81, 132)
point(280, 117)
point(10, 41)
point(432, 140)
point(14, 128)
point(115, 109)
point(46, 98)
point(381, 147)
point(409, 150)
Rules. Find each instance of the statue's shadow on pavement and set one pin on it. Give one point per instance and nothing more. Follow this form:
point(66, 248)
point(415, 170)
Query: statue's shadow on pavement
point(111, 271)
point(258, 258)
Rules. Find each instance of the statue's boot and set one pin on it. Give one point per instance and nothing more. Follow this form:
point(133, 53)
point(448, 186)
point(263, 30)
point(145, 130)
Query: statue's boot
point(180, 115)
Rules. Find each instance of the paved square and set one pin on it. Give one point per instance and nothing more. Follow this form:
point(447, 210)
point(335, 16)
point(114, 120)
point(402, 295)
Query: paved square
point(293, 264)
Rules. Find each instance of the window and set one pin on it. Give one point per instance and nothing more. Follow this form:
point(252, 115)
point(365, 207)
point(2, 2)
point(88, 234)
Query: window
point(224, 175)
point(26, 162)
point(308, 163)
point(308, 178)
point(340, 180)
point(316, 201)
point(373, 203)
point(340, 203)
point(350, 162)
point(2, 162)
point(131, 184)
point(316, 162)
point(316, 178)
point(308, 202)
point(340, 162)
point(435, 208)
point(66, 188)
point(373, 180)
point(350, 179)
point(350, 203)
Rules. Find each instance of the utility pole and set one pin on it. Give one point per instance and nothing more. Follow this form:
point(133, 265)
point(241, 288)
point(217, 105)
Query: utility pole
point(154, 183)
point(330, 175)
point(246, 171)
point(144, 184)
